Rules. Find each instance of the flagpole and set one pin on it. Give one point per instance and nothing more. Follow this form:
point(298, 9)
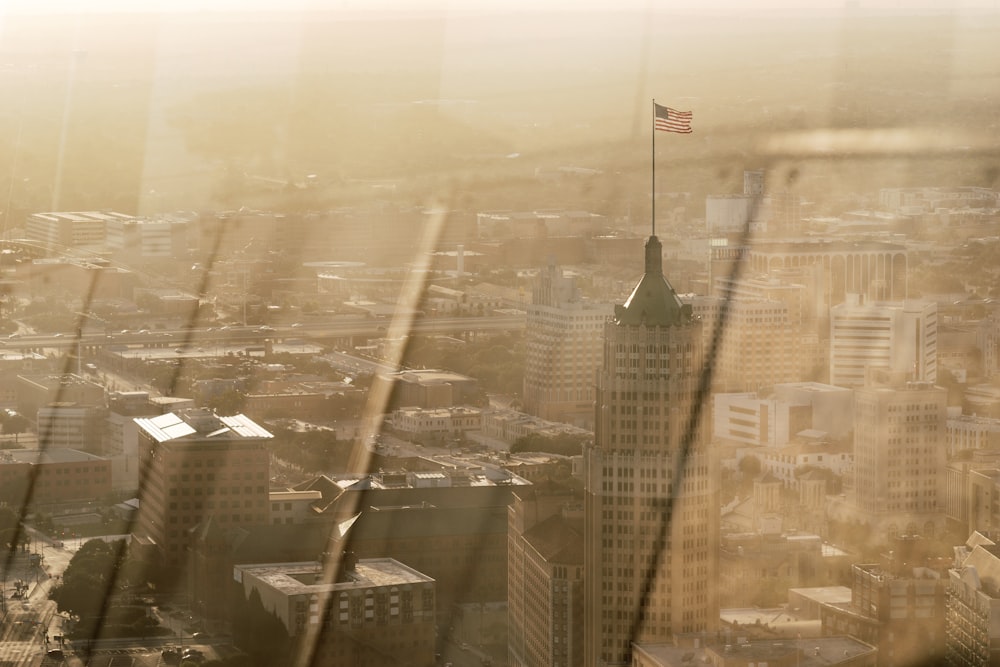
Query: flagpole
point(653, 193)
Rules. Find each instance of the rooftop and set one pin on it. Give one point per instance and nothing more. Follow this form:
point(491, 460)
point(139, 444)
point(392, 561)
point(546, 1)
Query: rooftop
point(48, 455)
point(308, 577)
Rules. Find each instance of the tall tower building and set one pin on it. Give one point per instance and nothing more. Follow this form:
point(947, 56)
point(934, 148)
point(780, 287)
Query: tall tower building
point(636, 470)
point(899, 454)
point(563, 350)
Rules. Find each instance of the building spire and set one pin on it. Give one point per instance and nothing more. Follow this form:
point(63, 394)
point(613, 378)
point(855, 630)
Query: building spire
point(653, 302)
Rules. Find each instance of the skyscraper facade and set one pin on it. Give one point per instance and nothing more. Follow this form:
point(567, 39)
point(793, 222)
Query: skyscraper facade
point(651, 504)
point(899, 454)
point(562, 349)
point(901, 337)
point(195, 465)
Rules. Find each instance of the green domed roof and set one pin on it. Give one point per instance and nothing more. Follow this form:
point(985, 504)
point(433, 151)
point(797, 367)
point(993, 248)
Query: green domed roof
point(653, 302)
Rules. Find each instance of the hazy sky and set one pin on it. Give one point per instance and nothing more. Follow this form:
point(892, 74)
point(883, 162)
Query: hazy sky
point(681, 6)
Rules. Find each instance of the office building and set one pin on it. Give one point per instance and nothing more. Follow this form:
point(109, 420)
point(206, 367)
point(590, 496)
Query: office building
point(57, 475)
point(874, 269)
point(84, 230)
point(897, 607)
point(562, 349)
point(194, 464)
point(972, 617)
point(784, 652)
point(164, 237)
point(773, 418)
point(899, 455)
point(378, 611)
point(900, 337)
point(545, 577)
point(652, 502)
point(759, 346)
point(71, 426)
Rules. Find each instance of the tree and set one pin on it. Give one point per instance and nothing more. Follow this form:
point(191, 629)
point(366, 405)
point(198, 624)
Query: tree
point(97, 573)
point(563, 444)
point(8, 525)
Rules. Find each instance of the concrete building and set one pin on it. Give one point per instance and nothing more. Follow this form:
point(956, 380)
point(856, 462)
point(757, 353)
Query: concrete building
point(377, 611)
point(799, 288)
point(648, 430)
point(773, 419)
point(899, 455)
point(901, 337)
point(728, 214)
point(971, 490)
point(760, 346)
point(429, 388)
point(972, 619)
point(159, 238)
point(874, 269)
point(510, 425)
point(897, 607)
point(971, 432)
point(449, 524)
point(69, 425)
point(59, 475)
point(545, 578)
point(84, 230)
point(764, 422)
point(437, 425)
point(759, 570)
point(783, 652)
point(196, 464)
point(563, 346)
point(293, 507)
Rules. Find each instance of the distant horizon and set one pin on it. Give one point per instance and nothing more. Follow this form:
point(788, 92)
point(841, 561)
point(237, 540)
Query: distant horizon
point(416, 7)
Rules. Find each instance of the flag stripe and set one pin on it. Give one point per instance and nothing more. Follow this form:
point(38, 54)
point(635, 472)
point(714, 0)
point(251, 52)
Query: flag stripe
point(671, 120)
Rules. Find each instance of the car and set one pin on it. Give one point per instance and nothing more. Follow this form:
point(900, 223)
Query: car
point(192, 655)
point(265, 328)
point(55, 654)
point(171, 655)
point(198, 635)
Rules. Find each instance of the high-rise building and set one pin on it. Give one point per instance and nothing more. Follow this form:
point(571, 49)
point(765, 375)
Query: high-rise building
point(562, 350)
point(900, 337)
point(899, 455)
point(874, 269)
point(760, 345)
point(194, 465)
point(652, 501)
point(972, 616)
point(545, 577)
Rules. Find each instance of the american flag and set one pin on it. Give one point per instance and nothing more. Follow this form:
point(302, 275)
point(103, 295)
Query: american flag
point(671, 120)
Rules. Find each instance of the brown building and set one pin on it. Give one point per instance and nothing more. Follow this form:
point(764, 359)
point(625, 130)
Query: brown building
point(450, 525)
point(195, 465)
point(545, 578)
point(650, 462)
point(55, 476)
point(900, 610)
point(378, 611)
